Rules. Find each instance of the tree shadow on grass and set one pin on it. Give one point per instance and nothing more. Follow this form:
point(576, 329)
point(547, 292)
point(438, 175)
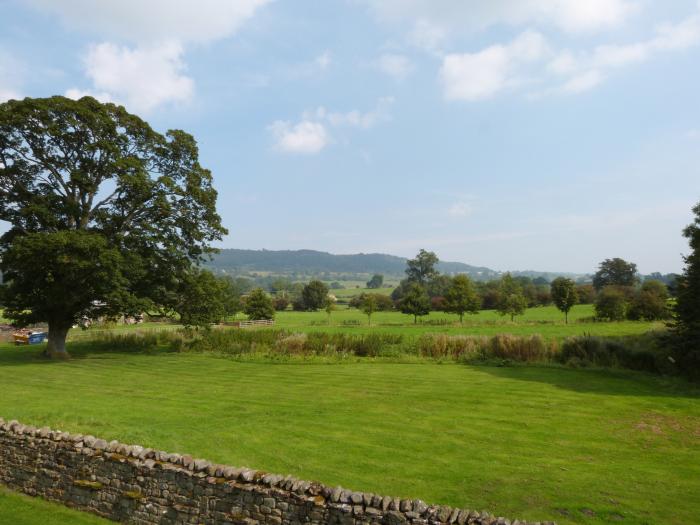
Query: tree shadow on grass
point(12, 355)
point(598, 380)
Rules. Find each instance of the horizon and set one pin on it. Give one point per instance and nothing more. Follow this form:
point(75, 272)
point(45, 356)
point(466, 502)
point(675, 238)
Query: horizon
point(509, 135)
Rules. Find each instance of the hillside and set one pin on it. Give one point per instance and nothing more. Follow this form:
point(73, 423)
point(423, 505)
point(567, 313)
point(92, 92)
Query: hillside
point(314, 263)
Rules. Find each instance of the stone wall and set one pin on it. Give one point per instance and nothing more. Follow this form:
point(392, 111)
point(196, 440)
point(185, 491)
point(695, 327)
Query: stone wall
point(134, 484)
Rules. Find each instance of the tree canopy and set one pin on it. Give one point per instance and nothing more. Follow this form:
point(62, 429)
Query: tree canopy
point(564, 295)
point(92, 182)
point(615, 272)
point(462, 297)
point(422, 268)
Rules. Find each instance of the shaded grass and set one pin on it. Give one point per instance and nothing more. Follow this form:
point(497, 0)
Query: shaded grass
point(18, 509)
point(530, 442)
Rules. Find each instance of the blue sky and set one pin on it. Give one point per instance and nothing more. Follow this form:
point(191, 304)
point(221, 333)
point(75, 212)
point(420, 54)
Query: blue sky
point(514, 134)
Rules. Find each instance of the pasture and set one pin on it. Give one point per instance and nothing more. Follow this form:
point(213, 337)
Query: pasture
point(540, 443)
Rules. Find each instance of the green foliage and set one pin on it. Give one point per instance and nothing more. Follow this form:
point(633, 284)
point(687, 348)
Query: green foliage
point(280, 302)
point(258, 305)
point(564, 295)
point(203, 299)
point(84, 166)
point(422, 268)
point(368, 305)
point(383, 302)
point(415, 301)
point(376, 281)
point(314, 295)
point(615, 272)
point(510, 297)
point(586, 293)
point(611, 303)
point(65, 275)
point(650, 302)
point(687, 310)
point(461, 297)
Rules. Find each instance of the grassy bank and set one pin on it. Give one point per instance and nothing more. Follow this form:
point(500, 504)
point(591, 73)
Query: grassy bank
point(534, 442)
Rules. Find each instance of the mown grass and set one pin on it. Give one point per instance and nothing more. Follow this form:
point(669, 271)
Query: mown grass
point(532, 442)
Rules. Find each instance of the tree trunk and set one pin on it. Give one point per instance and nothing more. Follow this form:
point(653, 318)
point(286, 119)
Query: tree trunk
point(461, 318)
point(415, 319)
point(566, 317)
point(56, 347)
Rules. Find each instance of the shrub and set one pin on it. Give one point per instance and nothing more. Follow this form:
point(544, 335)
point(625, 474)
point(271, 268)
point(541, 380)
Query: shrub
point(611, 304)
point(280, 303)
point(636, 353)
point(527, 349)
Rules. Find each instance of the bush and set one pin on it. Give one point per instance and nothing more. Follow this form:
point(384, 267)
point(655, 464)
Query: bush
point(611, 304)
point(526, 349)
point(280, 303)
point(636, 353)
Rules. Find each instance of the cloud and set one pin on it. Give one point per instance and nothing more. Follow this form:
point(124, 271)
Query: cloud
point(154, 20)
point(11, 77)
point(480, 75)
point(306, 137)
point(582, 82)
point(310, 135)
point(450, 16)
point(323, 60)
point(76, 94)
point(395, 65)
point(359, 119)
point(459, 209)
point(141, 78)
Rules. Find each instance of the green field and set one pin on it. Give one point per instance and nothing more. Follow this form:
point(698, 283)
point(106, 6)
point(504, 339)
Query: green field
point(532, 442)
point(546, 321)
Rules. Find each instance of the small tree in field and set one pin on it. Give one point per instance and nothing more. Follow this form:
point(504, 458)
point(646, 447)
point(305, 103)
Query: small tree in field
point(564, 295)
point(461, 297)
point(201, 299)
point(368, 305)
point(314, 295)
point(258, 305)
point(329, 307)
point(105, 215)
point(415, 302)
point(510, 298)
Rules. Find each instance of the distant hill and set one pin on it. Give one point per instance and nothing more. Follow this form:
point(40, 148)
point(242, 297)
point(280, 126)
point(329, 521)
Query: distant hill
point(315, 263)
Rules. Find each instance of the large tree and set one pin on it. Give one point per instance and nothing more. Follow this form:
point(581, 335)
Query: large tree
point(688, 302)
point(564, 295)
point(415, 302)
point(314, 295)
point(511, 300)
point(615, 272)
point(422, 268)
point(106, 211)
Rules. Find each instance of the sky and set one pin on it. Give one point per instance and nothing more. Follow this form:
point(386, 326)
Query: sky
point(513, 134)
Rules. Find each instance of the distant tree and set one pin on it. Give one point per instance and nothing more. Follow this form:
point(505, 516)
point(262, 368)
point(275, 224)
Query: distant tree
point(314, 295)
point(200, 299)
point(615, 272)
point(462, 298)
point(231, 296)
point(510, 297)
point(543, 295)
point(586, 293)
point(122, 212)
point(384, 302)
point(489, 292)
point(280, 302)
point(258, 305)
point(415, 301)
point(368, 306)
point(438, 285)
point(611, 303)
point(650, 302)
point(687, 310)
point(539, 281)
point(564, 295)
point(335, 285)
point(280, 284)
point(376, 281)
point(329, 307)
point(422, 268)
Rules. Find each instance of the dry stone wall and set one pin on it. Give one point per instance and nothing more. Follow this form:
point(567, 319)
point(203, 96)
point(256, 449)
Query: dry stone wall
point(133, 484)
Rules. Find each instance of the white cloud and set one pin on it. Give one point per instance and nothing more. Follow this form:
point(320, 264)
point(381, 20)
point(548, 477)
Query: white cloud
point(323, 60)
point(582, 82)
point(480, 75)
point(141, 78)
point(154, 20)
point(306, 137)
point(76, 94)
point(459, 15)
point(459, 209)
point(11, 77)
point(395, 65)
point(693, 134)
point(310, 135)
point(359, 119)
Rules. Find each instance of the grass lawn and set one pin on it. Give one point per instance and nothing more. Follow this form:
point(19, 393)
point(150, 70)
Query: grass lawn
point(530, 442)
point(18, 509)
